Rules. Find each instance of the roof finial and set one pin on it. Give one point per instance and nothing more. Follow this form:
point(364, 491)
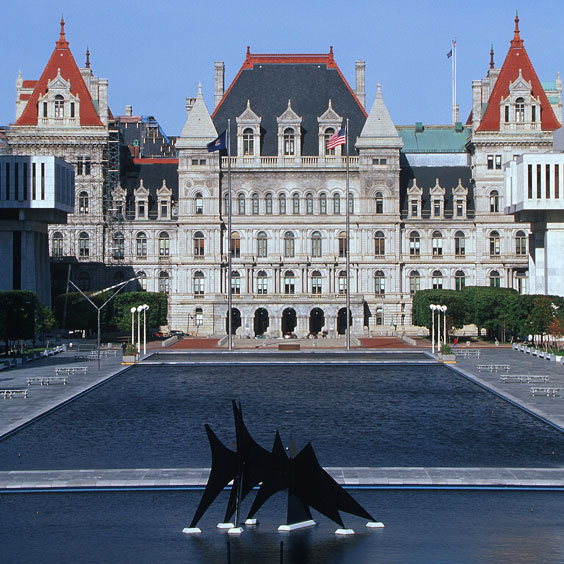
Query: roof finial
point(62, 42)
point(378, 89)
point(331, 51)
point(62, 27)
point(517, 22)
point(87, 57)
point(248, 51)
point(516, 41)
point(491, 58)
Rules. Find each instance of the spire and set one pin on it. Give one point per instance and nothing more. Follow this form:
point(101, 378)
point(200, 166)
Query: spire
point(62, 43)
point(199, 129)
point(491, 58)
point(87, 57)
point(516, 41)
point(379, 129)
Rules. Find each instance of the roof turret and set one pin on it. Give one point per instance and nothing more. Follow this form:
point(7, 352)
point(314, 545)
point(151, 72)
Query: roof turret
point(199, 129)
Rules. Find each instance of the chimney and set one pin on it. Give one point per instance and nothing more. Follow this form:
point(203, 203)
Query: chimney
point(219, 68)
point(189, 104)
point(360, 89)
point(128, 110)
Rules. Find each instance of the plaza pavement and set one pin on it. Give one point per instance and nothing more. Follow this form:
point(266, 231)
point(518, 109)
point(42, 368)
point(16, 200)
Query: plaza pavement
point(19, 411)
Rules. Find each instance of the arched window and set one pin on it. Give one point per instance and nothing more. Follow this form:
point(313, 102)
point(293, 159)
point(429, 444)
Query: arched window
point(459, 280)
point(379, 244)
point(83, 203)
point(59, 106)
point(342, 244)
point(316, 250)
point(235, 245)
point(83, 244)
point(142, 280)
point(379, 283)
point(255, 199)
point(235, 282)
point(164, 244)
point(282, 204)
point(316, 283)
point(459, 244)
point(495, 279)
point(495, 244)
point(268, 204)
point(336, 204)
point(296, 204)
point(520, 243)
point(351, 203)
point(262, 245)
point(289, 283)
point(379, 200)
point(520, 110)
point(494, 201)
point(241, 200)
point(226, 203)
point(84, 280)
point(414, 244)
point(322, 204)
point(141, 244)
point(328, 133)
point(342, 282)
point(262, 283)
point(57, 242)
point(118, 250)
point(437, 244)
point(198, 283)
point(199, 317)
point(437, 280)
point(309, 203)
point(248, 142)
point(199, 244)
point(289, 142)
point(199, 203)
point(289, 244)
point(414, 282)
point(164, 281)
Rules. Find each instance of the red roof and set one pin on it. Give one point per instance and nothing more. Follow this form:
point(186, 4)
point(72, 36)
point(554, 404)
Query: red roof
point(62, 60)
point(29, 83)
point(281, 58)
point(515, 61)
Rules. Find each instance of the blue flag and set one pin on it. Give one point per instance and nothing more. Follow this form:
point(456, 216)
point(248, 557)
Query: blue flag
point(219, 144)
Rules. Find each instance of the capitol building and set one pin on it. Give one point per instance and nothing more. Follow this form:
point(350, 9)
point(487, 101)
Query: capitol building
point(427, 203)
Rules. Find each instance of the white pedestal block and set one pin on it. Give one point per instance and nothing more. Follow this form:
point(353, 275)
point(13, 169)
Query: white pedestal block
point(225, 525)
point(251, 522)
point(191, 530)
point(296, 526)
point(344, 532)
point(375, 525)
point(235, 531)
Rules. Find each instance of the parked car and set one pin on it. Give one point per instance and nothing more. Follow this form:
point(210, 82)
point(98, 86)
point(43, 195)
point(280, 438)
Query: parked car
point(160, 335)
point(177, 333)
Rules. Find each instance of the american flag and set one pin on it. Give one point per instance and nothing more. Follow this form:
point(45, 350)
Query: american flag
point(336, 139)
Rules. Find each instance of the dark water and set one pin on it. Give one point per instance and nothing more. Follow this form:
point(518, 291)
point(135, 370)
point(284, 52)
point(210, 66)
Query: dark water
point(153, 416)
point(454, 527)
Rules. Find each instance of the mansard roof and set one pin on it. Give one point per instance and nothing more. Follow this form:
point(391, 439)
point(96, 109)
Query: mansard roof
point(61, 60)
point(517, 61)
point(308, 81)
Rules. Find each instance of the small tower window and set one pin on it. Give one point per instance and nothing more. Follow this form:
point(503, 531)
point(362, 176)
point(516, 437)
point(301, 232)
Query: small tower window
point(289, 142)
point(59, 106)
point(519, 110)
point(248, 142)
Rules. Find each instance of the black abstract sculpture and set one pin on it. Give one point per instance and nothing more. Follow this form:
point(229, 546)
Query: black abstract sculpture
point(308, 484)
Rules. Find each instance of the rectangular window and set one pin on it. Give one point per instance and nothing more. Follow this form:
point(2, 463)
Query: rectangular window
point(164, 210)
point(79, 166)
point(7, 179)
point(87, 166)
point(195, 162)
point(414, 209)
point(236, 286)
point(72, 109)
point(437, 208)
point(498, 162)
point(490, 162)
point(547, 180)
point(25, 181)
point(530, 181)
point(262, 286)
point(556, 181)
point(533, 113)
point(141, 210)
point(316, 286)
point(539, 181)
point(459, 209)
point(42, 181)
point(506, 114)
point(33, 181)
point(16, 181)
point(44, 109)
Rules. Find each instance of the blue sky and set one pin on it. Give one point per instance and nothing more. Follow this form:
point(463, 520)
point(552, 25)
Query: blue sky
point(154, 53)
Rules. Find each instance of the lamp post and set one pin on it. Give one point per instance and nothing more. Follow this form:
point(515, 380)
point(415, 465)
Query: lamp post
point(132, 310)
point(139, 310)
point(438, 328)
point(444, 308)
point(145, 308)
point(433, 308)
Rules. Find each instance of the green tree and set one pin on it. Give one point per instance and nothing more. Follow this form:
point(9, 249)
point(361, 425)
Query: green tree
point(80, 315)
point(421, 313)
point(156, 314)
point(44, 320)
point(541, 315)
point(17, 315)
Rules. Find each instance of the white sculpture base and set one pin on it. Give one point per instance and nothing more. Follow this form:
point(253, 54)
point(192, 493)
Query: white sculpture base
point(296, 526)
point(251, 522)
point(235, 531)
point(225, 525)
point(375, 525)
point(343, 532)
point(191, 530)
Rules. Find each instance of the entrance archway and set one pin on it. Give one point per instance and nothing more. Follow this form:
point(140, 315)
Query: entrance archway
point(261, 321)
point(316, 320)
point(289, 321)
point(235, 321)
point(342, 321)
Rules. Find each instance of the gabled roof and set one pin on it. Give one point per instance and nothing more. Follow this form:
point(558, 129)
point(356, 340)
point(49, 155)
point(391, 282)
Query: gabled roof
point(515, 61)
point(61, 59)
point(308, 81)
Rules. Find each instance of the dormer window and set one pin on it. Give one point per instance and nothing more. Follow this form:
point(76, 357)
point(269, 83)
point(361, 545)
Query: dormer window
point(328, 133)
point(289, 142)
point(59, 106)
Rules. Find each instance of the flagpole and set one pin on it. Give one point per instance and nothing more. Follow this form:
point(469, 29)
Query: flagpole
point(454, 105)
point(347, 235)
point(229, 250)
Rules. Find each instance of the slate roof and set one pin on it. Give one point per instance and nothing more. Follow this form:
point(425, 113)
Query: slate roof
point(434, 139)
point(515, 61)
point(62, 59)
point(427, 178)
point(153, 172)
point(308, 81)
